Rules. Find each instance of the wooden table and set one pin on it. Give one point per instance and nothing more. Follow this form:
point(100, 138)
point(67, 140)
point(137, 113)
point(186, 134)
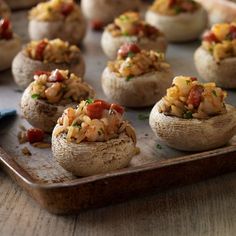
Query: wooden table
point(206, 208)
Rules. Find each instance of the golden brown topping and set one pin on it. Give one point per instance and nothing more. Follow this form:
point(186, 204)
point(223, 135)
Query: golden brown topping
point(187, 98)
point(59, 86)
point(220, 41)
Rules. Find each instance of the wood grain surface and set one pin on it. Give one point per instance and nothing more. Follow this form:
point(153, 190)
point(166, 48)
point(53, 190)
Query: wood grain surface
point(207, 208)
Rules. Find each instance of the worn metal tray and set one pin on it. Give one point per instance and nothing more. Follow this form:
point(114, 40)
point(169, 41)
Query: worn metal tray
point(156, 167)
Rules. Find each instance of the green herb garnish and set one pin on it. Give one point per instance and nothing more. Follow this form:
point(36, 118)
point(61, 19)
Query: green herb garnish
point(143, 116)
point(214, 93)
point(128, 78)
point(188, 115)
point(125, 34)
point(187, 82)
point(124, 17)
point(89, 101)
point(131, 54)
point(35, 96)
point(177, 9)
point(158, 146)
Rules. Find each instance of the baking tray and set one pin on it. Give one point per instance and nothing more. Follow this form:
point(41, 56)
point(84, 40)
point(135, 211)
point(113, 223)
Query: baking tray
point(157, 167)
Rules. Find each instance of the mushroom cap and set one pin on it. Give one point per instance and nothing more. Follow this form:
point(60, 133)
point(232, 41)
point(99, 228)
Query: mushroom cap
point(42, 114)
point(140, 91)
point(222, 73)
point(106, 10)
point(220, 10)
point(193, 134)
point(23, 68)
point(180, 28)
point(8, 50)
point(71, 31)
point(90, 158)
point(111, 44)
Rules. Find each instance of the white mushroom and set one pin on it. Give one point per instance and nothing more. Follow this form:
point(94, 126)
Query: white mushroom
point(193, 134)
point(105, 11)
point(222, 72)
point(140, 91)
point(8, 50)
point(179, 28)
point(91, 158)
point(41, 114)
point(23, 68)
point(72, 32)
point(110, 44)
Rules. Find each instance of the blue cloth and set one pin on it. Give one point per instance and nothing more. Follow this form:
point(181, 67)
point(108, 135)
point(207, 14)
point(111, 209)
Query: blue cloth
point(7, 112)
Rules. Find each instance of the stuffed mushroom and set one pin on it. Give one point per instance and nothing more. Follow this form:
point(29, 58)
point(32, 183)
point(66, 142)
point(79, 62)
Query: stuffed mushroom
point(93, 139)
point(215, 59)
point(10, 44)
point(45, 99)
point(5, 11)
point(129, 27)
point(179, 20)
point(102, 12)
point(137, 78)
point(46, 55)
point(193, 116)
point(22, 4)
point(57, 19)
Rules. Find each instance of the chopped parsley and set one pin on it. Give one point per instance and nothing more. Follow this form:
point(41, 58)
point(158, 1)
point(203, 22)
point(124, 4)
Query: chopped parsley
point(214, 93)
point(188, 115)
point(177, 9)
point(128, 78)
point(89, 101)
point(126, 34)
point(143, 116)
point(131, 54)
point(187, 82)
point(158, 146)
point(124, 17)
point(35, 96)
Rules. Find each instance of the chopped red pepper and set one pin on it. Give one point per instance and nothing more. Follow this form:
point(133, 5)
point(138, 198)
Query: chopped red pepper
point(97, 25)
point(172, 3)
point(66, 9)
point(194, 96)
point(210, 37)
point(117, 108)
point(40, 49)
point(95, 109)
point(127, 48)
point(5, 29)
point(193, 78)
point(56, 76)
point(35, 135)
point(42, 72)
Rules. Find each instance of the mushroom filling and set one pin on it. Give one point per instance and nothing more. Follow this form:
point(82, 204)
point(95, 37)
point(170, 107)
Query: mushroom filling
point(174, 7)
point(59, 87)
point(5, 29)
point(187, 98)
point(93, 120)
point(130, 24)
point(55, 10)
point(132, 61)
point(220, 41)
point(56, 51)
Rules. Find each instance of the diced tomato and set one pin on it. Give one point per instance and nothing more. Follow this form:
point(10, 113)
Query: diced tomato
point(41, 72)
point(5, 29)
point(40, 49)
point(56, 76)
point(151, 30)
point(103, 103)
point(95, 110)
point(117, 108)
point(127, 48)
point(97, 25)
point(232, 32)
point(193, 78)
point(67, 8)
point(194, 96)
point(187, 6)
point(172, 3)
point(210, 37)
point(35, 135)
